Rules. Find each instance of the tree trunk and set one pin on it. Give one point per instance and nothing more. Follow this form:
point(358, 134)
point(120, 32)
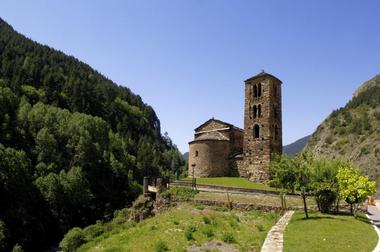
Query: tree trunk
point(305, 206)
point(351, 209)
point(285, 201)
point(318, 203)
point(337, 204)
point(356, 208)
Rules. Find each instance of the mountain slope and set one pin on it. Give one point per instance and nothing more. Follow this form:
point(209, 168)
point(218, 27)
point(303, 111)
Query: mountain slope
point(353, 132)
point(296, 147)
point(74, 146)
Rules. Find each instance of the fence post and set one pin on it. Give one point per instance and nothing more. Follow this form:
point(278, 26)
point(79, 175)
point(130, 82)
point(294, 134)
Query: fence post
point(145, 185)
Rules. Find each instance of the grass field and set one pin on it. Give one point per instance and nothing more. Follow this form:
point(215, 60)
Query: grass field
point(329, 233)
point(231, 182)
point(186, 225)
point(263, 200)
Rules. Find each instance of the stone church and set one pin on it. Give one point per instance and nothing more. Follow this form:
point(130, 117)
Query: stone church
point(222, 149)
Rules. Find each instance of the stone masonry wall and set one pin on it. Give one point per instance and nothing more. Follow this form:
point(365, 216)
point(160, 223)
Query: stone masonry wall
point(258, 151)
point(212, 159)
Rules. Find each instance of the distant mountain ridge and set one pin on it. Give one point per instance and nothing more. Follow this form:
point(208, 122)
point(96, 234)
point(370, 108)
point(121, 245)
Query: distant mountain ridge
point(288, 150)
point(295, 147)
point(353, 132)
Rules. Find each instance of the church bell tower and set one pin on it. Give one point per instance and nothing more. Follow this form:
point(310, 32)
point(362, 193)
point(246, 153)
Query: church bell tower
point(262, 125)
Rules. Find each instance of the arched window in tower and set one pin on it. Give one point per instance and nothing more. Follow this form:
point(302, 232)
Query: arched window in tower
point(259, 111)
point(196, 153)
point(255, 90)
point(254, 112)
point(259, 90)
point(256, 131)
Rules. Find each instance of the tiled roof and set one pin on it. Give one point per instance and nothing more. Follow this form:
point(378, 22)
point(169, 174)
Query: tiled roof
point(262, 74)
point(215, 135)
point(219, 121)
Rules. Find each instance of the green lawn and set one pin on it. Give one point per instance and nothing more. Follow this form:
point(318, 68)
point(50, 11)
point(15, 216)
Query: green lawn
point(231, 182)
point(185, 225)
point(262, 200)
point(329, 233)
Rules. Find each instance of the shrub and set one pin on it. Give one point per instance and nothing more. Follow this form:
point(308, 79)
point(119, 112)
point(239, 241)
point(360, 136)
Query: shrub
point(121, 216)
point(94, 231)
point(189, 232)
point(17, 248)
point(228, 238)
point(199, 207)
point(208, 232)
point(329, 139)
point(325, 200)
point(180, 193)
point(161, 246)
point(141, 209)
point(206, 220)
point(72, 240)
point(377, 115)
point(3, 235)
point(364, 150)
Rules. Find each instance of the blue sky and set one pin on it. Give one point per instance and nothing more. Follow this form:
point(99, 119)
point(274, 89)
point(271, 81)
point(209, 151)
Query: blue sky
point(189, 59)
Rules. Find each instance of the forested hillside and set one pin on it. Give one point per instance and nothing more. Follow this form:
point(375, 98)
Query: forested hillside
point(353, 132)
point(74, 146)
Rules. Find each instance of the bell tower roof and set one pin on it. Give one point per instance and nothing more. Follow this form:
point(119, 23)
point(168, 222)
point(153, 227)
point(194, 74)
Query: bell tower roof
point(262, 74)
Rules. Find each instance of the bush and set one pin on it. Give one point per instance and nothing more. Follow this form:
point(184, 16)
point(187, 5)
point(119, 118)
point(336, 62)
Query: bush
point(72, 240)
point(189, 232)
point(206, 220)
point(329, 139)
point(3, 235)
point(94, 231)
point(325, 200)
point(180, 193)
point(161, 246)
point(17, 248)
point(228, 238)
point(121, 216)
point(364, 150)
point(208, 232)
point(142, 208)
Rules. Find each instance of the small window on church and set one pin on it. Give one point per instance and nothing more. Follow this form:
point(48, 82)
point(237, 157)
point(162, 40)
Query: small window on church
point(259, 111)
point(196, 153)
point(259, 90)
point(254, 111)
point(256, 131)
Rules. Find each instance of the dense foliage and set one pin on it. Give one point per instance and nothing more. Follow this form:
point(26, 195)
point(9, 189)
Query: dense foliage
point(353, 187)
point(74, 146)
point(326, 180)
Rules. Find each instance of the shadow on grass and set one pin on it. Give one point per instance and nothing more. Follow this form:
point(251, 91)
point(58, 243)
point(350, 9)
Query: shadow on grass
point(364, 219)
point(312, 218)
point(334, 216)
